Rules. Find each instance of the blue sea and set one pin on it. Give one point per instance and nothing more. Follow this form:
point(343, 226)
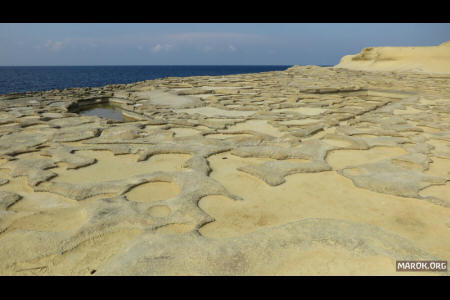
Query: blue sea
point(30, 79)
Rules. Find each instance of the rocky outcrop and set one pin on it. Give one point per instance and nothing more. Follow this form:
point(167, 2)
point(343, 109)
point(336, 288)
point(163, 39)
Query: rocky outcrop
point(432, 59)
point(211, 175)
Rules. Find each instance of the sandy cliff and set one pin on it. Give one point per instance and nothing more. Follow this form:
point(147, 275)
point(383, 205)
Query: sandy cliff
point(433, 59)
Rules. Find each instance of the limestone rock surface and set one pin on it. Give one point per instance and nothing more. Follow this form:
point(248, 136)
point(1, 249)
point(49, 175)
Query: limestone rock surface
point(307, 171)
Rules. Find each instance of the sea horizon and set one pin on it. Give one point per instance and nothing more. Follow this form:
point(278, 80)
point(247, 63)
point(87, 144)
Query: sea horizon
point(23, 79)
point(140, 65)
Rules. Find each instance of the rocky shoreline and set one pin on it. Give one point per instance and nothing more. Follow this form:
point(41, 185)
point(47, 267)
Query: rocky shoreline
point(307, 171)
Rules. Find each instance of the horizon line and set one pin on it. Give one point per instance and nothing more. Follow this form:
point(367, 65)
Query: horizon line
point(175, 65)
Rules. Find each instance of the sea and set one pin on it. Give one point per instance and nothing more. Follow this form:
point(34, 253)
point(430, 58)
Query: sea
point(44, 78)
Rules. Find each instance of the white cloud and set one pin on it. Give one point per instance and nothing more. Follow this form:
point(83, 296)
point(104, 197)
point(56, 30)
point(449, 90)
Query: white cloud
point(160, 48)
point(157, 43)
point(52, 45)
point(207, 42)
point(57, 46)
point(157, 48)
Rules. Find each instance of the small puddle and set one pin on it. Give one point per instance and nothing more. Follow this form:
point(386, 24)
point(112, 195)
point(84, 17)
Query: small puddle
point(104, 110)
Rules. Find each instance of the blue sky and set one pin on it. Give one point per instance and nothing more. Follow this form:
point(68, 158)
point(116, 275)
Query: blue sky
point(203, 43)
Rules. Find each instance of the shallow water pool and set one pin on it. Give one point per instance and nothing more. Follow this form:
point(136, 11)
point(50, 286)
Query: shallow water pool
point(106, 111)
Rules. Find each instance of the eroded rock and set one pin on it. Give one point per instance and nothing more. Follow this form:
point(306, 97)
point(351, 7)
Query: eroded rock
point(144, 219)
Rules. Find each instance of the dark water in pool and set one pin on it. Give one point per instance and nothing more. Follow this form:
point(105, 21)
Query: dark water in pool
point(29, 79)
point(107, 113)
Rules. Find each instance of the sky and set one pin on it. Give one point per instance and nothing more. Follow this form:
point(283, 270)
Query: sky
point(66, 44)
